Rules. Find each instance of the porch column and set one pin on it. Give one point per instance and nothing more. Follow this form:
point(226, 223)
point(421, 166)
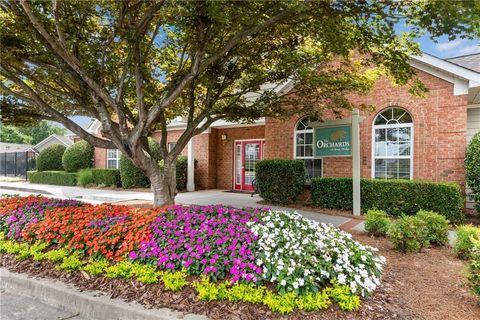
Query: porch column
point(356, 161)
point(190, 167)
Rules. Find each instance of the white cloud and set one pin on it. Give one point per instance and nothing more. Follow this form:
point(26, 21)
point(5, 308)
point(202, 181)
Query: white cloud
point(469, 50)
point(449, 45)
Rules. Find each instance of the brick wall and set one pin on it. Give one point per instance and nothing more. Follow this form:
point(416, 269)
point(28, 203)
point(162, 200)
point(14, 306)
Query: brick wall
point(224, 152)
point(439, 122)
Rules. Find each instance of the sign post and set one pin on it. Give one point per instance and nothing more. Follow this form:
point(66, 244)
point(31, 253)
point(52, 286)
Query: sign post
point(356, 161)
point(341, 138)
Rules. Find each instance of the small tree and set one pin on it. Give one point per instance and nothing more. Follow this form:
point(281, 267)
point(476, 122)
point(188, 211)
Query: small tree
point(51, 158)
point(472, 167)
point(136, 65)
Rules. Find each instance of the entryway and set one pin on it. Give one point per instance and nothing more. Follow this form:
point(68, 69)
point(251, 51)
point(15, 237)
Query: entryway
point(247, 153)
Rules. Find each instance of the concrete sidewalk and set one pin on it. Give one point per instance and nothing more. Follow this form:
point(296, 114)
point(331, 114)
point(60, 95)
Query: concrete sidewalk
point(203, 197)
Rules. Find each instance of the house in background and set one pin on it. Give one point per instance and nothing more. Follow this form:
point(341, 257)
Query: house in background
point(406, 137)
point(14, 147)
point(51, 140)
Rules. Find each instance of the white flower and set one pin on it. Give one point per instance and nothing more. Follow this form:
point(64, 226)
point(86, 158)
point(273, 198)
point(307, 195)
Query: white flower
point(283, 283)
point(342, 279)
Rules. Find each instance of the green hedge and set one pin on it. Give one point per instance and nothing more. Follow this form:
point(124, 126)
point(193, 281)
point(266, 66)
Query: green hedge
point(131, 176)
point(280, 181)
point(78, 156)
point(51, 158)
point(396, 197)
point(60, 178)
point(181, 172)
point(107, 177)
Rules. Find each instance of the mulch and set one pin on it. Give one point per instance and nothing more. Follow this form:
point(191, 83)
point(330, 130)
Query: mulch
point(428, 285)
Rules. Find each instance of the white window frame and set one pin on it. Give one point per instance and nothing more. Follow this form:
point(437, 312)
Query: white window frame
point(171, 145)
point(116, 158)
point(389, 126)
point(295, 131)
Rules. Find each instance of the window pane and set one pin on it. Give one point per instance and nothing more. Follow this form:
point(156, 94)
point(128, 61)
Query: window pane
point(404, 168)
point(380, 145)
point(300, 138)
point(300, 151)
point(308, 138)
point(314, 168)
point(112, 164)
point(404, 149)
point(404, 134)
point(308, 151)
point(392, 168)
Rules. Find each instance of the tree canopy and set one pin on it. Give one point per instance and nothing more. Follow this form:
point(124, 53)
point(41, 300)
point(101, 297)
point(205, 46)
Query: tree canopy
point(136, 65)
point(30, 134)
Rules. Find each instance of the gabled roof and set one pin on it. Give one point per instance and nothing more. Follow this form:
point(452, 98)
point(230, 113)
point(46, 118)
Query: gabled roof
point(66, 141)
point(469, 61)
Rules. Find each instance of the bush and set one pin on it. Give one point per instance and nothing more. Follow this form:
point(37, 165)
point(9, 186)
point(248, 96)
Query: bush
point(85, 177)
point(466, 235)
point(106, 177)
point(395, 197)
point(181, 172)
point(474, 269)
point(50, 159)
point(472, 167)
point(60, 178)
point(408, 234)
point(377, 223)
point(133, 177)
point(437, 227)
point(78, 156)
point(280, 181)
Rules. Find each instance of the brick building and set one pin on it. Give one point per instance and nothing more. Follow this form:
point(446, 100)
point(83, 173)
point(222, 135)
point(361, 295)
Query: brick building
point(405, 137)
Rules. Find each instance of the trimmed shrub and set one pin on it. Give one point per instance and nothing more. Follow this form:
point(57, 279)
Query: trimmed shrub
point(181, 172)
point(408, 234)
point(466, 236)
point(50, 159)
point(60, 178)
point(78, 156)
point(280, 181)
point(106, 177)
point(133, 177)
point(85, 177)
point(395, 197)
point(377, 223)
point(437, 227)
point(474, 269)
point(472, 169)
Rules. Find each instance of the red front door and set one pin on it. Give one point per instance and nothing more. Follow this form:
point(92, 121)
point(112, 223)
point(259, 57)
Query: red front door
point(247, 153)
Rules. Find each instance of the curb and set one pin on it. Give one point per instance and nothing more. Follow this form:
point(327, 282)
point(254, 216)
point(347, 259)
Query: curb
point(25, 189)
point(89, 304)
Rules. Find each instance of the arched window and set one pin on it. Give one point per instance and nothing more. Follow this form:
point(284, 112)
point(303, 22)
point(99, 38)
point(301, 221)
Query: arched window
point(393, 144)
point(304, 146)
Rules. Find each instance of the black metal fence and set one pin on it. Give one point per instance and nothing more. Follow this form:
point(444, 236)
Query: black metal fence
point(16, 164)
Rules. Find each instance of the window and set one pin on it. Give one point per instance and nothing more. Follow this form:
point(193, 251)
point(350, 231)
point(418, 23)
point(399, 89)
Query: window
point(304, 146)
point(393, 145)
point(171, 145)
point(113, 157)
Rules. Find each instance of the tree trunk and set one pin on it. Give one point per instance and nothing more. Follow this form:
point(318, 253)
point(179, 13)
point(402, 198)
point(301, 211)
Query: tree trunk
point(164, 185)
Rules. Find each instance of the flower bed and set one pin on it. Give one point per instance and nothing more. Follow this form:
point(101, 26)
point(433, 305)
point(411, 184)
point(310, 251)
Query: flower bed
point(240, 254)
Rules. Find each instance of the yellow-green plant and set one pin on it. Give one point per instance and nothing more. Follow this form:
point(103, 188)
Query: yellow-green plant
point(71, 263)
point(122, 270)
point(146, 274)
point(55, 255)
point(343, 296)
point(282, 303)
point(174, 281)
point(207, 290)
point(314, 301)
point(96, 267)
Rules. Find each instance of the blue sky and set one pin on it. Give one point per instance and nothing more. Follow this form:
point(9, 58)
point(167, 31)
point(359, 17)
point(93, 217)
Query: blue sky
point(445, 48)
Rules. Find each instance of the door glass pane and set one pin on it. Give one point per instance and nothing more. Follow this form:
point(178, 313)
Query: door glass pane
point(238, 163)
point(252, 152)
